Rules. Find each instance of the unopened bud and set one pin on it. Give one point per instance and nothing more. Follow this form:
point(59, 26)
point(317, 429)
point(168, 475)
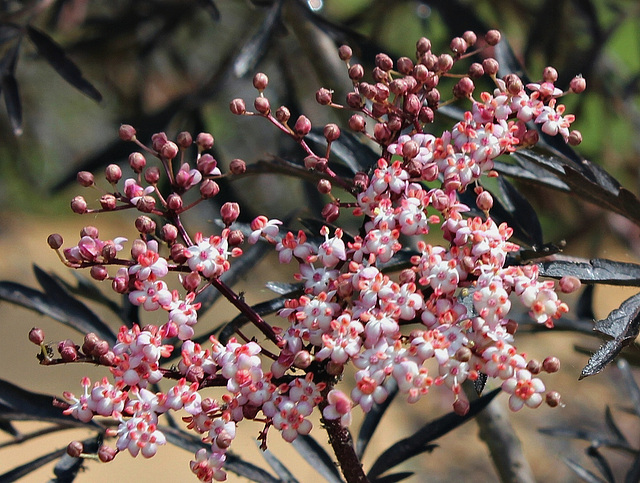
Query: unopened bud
point(553, 399)
point(331, 132)
point(145, 225)
point(490, 66)
point(283, 114)
point(423, 45)
point(184, 139)
point(229, 212)
point(262, 105)
point(127, 132)
point(445, 62)
point(237, 166)
point(484, 201)
point(85, 178)
point(209, 188)
point(204, 140)
point(324, 186)
point(99, 272)
point(461, 407)
point(113, 173)
point(330, 212)
point(575, 138)
point(551, 364)
point(174, 202)
point(302, 126)
point(356, 72)
point(237, 107)
point(146, 204)
point(578, 84)
point(470, 37)
point(492, 37)
point(476, 70)
point(169, 150)
point(55, 240)
point(550, 74)
point(78, 205)
point(236, 237)
point(569, 284)
point(152, 174)
point(464, 88)
point(106, 453)
point(323, 96)
point(137, 162)
point(191, 281)
point(169, 233)
point(260, 81)
point(458, 45)
point(345, 52)
point(178, 253)
point(534, 366)
point(36, 336)
point(75, 449)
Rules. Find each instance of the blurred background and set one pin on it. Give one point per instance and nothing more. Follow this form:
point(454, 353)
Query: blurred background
point(174, 65)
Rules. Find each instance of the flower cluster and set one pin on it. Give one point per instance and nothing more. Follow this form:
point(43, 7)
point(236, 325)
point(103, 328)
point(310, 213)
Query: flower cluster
point(439, 315)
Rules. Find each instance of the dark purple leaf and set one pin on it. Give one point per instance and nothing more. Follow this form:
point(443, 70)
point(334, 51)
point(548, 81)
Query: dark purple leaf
point(348, 148)
point(631, 384)
point(17, 404)
point(591, 436)
point(530, 173)
point(601, 463)
point(7, 427)
point(55, 56)
point(479, 383)
point(317, 457)
point(582, 472)
point(235, 464)
point(633, 475)
point(263, 308)
point(73, 313)
point(373, 418)
point(393, 478)
point(12, 101)
point(523, 218)
point(420, 441)
point(612, 425)
point(278, 466)
point(283, 288)
point(584, 307)
point(255, 48)
point(596, 270)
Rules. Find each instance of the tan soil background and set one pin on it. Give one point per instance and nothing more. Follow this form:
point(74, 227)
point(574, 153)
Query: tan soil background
point(460, 456)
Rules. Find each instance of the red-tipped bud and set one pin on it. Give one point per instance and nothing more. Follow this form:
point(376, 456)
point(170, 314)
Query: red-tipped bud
point(206, 164)
point(476, 70)
point(145, 225)
point(445, 63)
point(178, 253)
point(323, 96)
point(127, 132)
point(236, 237)
point(113, 173)
point(578, 84)
point(283, 114)
point(209, 188)
point(36, 336)
point(85, 178)
point(484, 201)
point(302, 126)
point(345, 52)
point(191, 281)
point(405, 65)
point(534, 366)
point(331, 132)
point(229, 212)
point(262, 105)
point(553, 399)
point(146, 204)
point(260, 81)
point(106, 453)
point(78, 205)
point(464, 88)
point(237, 107)
point(354, 100)
point(137, 162)
point(492, 37)
point(237, 166)
point(55, 241)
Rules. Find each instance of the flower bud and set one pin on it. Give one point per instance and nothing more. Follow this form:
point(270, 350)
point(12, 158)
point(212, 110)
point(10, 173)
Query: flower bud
point(85, 178)
point(445, 63)
point(550, 74)
point(260, 81)
point(262, 105)
point(152, 175)
point(145, 225)
point(553, 399)
point(302, 359)
point(174, 202)
point(113, 173)
point(321, 165)
point(551, 364)
point(169, 150)
point(399, 87)
point(330, 212)
point(410, 150)
point(69, 353)
point(575, 138)
point(236, 237)
point(237, 107)
point(490, 66)
point(101, 348)
point(323, 96)
point(237, 166)
point(78, 205)
point(458, 45)
point(470, 37)
point(345, 52)
point(430, 61)
point(311, 161)
point(484, 201)
point(99, 272)
point(146, 204)
point(108, 359)
point(324, 186)
point(127, 132)
point(463, 354)
point(89, 344)
point(209, 188)
point(283, 114)
point(420, 73)
point(206, 164)
point(534, 366)
point(55, 241)
point(513, 83)
point(138, 247)
point(569, 284)
point(356, 72)
point(384, 62)
point(137, 162)
point(191, 281)
point(229, 212)
point(423, 45)
point(158, 140)
point(412, 104)
point(531, 137)
point(464, 88)
point(357, 123)
point(178, 253)
point(106, 453)
point(379, 75)
point(405, 65)
point(169, 233)
point(430, 172)
point(331, 132)
point(109, 252)
point(578, 84)
point(36, 336)
point(433, 98)
point(184, 139)
point(204, 140)
point(461, 407)
point(381, 132)
point(119, 285)
point(475, 70)
point(75, 449)
point(492, 37)
point(354, 100)
point(302, 126)
point(90, 231)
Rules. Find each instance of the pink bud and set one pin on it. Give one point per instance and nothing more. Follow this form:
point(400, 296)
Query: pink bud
point(113, 173)
point(169, 233)
point(302, 126)
point(145, 225)
point(79, 205)
point(578, 84)
point(169, 150)
point(484, 201)
point(357, 123)
point(85, 178)
point(184, 139)
point(237, 166)
point(569, 284)
point(75, 449)
point(553, 399)
point(551, 364)
point(55, 241)
point(36, 336)
point(262, 105)
point(260, 81)
point(405, 65)
point(174, 202)
point(204, 140)
point(229, 212)
point(99, 272)
point(490, 66)
point(237, 107)
point(137, 162)
point(323, 96)
point(492, 37)
point(345, 52)
point(331, 132)
point(127, 132)
point(209, 188)
point(283, 114)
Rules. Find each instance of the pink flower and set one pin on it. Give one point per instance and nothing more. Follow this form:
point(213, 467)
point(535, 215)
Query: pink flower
point(339, 407)
point(263, 227)
point(524, 390)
